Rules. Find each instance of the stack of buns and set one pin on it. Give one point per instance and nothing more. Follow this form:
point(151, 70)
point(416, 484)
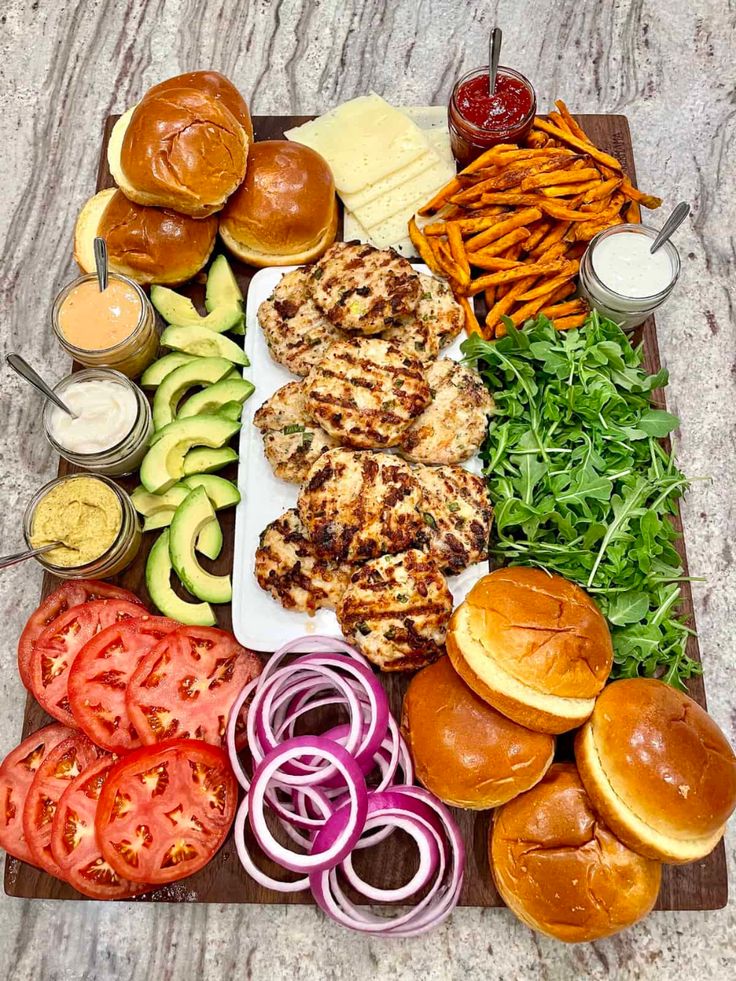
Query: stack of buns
point(575, 849)
point(179, 157)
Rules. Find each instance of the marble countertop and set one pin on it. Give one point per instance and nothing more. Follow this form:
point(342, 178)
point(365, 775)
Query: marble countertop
point(63, 67)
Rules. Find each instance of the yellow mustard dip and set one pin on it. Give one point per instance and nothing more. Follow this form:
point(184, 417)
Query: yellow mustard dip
point(83, 513)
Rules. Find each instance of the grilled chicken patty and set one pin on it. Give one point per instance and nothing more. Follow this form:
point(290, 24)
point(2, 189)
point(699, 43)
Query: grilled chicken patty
point(296, 332)
point(358, 506)
point(291, 441)
point(366, 392)
point(290, 568)
point(438, 320)
point(458, 515)
point(454, 425)
point(364, 290)
point(396, 610)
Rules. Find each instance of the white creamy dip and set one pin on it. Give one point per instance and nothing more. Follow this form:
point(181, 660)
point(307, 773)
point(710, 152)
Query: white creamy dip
point(625, 265)
point(105, 411)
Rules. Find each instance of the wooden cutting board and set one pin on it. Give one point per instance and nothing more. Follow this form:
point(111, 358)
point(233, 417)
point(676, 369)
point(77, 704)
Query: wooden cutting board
point(700, 886)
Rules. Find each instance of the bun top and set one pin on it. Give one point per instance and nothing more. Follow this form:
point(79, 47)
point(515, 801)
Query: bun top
point(184, 147)
point(149, 240)
point(214, 84)
point(664, 757)
point(561, 870)
point(286, 202)
point(541, 629)
point(465, 751)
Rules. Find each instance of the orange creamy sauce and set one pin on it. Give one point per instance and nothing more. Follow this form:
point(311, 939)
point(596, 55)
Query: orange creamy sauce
point(94, 321)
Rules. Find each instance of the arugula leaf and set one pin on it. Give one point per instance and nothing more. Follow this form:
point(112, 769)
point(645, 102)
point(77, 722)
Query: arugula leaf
point(582, 486)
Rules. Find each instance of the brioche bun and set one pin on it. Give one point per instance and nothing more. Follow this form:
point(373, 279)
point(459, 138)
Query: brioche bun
point(560, 870)
point(216, 85)
point(658, 769)
point(181, 148)
point(532, 645)
point(464, 751)
point(149, 245)
point(285, 211)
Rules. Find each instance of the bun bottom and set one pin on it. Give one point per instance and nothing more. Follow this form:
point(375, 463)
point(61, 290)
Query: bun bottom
point(264, 259)
point(634, 832)
point(521, 703)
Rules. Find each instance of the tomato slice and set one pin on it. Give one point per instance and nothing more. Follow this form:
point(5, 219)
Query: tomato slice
point(65, 762)
point(17, 771)
point(74, 844)
point(71, 593)
point(58, 645)
point(99, 676)
point(165, 810)
point(186, 685)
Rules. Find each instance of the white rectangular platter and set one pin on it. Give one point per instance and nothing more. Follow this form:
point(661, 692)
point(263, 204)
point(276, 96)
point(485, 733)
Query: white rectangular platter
point(259, 621)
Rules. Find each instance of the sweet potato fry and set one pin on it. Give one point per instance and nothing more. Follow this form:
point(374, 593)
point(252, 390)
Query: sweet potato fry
point(552, 177)
point(502, 228)
point(584, 231)
point(513, 199)
point(502, 306)
point(467, 226)
point(441, 197)
point(489, 295)
point(568, 323)
point(632, 213)
point(552, 310)
point(575, 141)
point(564, 190)
point(559, 210)
point(488, 157)
point(537, 234)
point(493, 263)
point(634, 194)
point(553, 236)
point(570, 123)
point(550, 285)
point(520, 272)
point(471, 321)
point(562, 293)
point(500, 245)
point(422, 246)
point(553, 252)
point(457, 249)
point(603, 190)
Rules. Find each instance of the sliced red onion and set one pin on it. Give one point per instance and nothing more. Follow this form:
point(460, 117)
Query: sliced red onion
point(249, 865)
point(356, 809)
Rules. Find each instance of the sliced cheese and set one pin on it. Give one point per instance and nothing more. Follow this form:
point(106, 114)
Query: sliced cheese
point(374, 191)
point(363, 140)
point(393, 229)
point(401, 198)
point(439, 140)
point(352, 229)
point(427, 117)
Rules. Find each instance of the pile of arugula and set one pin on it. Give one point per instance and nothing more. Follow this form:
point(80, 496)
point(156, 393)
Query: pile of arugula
point(581, 484)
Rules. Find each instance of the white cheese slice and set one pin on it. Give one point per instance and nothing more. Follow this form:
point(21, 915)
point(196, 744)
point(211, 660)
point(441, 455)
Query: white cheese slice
point(374, 191)
point(352, 229)
point(400, 198)
point(427, 117)
point(363, 140)
point(439, 140)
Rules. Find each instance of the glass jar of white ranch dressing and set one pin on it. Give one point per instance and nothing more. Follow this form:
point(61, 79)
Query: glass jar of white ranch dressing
point(622, 279)
point(113, 423)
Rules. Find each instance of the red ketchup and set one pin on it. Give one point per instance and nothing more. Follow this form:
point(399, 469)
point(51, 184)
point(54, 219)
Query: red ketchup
point(479, 120)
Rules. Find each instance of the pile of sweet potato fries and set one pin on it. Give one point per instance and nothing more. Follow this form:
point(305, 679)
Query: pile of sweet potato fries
point(515, 223)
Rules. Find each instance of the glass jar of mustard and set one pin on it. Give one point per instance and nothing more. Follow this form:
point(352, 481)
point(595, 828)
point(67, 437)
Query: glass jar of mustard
point(92, 517)
point(115, 328)
point(113, 423)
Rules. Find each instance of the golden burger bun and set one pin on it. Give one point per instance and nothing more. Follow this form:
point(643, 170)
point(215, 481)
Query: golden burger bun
point(149, 245)
point(285, 211)
point(464, 751)
point(532, 645)
point(561, 870)
point(181, 149)
point(216, 85)
point(658, 769)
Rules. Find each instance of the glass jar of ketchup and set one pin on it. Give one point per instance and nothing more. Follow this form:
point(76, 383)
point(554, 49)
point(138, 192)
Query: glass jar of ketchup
point(479, 120)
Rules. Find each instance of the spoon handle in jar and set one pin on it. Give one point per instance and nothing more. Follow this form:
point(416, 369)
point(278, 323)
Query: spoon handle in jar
point(494, 55)
point(7, 560)
point(29, 374)
point(679, 214)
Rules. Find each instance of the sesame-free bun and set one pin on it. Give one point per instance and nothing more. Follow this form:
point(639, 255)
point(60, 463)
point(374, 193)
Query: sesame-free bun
point(532, 645)
point(216, 85)
point(285, 211)
point(464, 751)
point(561, 870)
point(180, 148)
point(658, 770)
point(149, 245)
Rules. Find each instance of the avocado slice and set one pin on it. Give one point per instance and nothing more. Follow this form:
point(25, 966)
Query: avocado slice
point(179, 310)
point(200, 371)
point(170, 426)
point(158, 582)
point(212, 399)
point(223, 290)
point(222, 493)
point(150, 504)
point(210, 539)
point(163, 464)
point(190, 517)
point(204, 343)
point(156, 372)
point(204, 460)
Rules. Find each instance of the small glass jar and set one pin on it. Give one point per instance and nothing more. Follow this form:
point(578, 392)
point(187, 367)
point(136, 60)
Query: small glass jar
point(126, 454)
point(470, 140)
point(132, 355)
point(115, 558)
point(627, 311)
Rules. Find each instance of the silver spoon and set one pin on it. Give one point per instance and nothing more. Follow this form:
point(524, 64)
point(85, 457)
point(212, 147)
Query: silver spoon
point(679, 214)
point(494, 53)
point(101, 262)
point(21, 366)
point(8, 560)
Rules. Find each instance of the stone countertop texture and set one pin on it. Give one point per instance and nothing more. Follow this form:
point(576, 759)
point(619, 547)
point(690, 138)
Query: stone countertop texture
point(669, 67)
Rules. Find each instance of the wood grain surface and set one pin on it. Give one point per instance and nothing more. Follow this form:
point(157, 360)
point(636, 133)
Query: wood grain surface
point(699, 886)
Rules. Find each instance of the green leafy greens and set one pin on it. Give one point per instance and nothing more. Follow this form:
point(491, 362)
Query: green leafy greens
point(581, 484)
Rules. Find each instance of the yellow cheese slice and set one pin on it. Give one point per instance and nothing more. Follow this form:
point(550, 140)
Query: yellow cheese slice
point(352, 229)
point(363, 140)
point(401, 198)
point(374, 191)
